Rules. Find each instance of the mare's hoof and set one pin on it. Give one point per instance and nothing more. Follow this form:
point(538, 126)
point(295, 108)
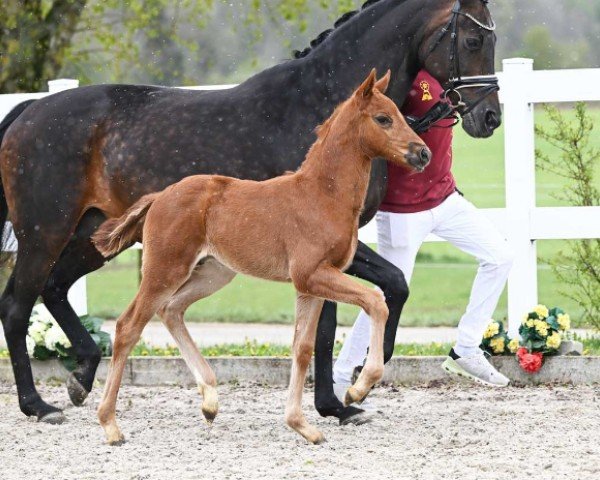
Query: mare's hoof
point(53, 418)
point(77, 392)
point(117, 443)
point(319, 440)
point(359, 418)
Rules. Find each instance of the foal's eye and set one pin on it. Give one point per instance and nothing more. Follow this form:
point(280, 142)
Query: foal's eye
point(473, 43)
point(384, 121)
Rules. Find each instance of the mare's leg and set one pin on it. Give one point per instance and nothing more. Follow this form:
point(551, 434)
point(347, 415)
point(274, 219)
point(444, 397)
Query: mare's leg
point(79, 258)
point(370, 266)
point(307, 315)
point(161, 279)
point(207, 278)
point(326, 403)
point(35, 257)
point(328, 282)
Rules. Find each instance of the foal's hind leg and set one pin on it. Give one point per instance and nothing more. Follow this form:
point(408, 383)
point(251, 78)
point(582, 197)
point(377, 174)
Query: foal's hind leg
point(207, 278)
point(156, 288)
point(308, 309)
point(169, 259)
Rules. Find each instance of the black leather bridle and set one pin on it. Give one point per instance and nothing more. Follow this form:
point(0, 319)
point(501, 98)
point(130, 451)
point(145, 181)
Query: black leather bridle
point(485, 84)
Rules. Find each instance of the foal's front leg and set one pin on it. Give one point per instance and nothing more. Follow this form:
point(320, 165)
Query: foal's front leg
point(330, 283)
point(308, 309)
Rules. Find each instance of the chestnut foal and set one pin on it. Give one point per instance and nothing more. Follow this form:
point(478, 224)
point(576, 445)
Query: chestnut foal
point(301, 227)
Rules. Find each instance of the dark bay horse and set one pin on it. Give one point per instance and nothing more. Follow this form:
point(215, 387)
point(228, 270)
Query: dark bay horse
point(73, 159)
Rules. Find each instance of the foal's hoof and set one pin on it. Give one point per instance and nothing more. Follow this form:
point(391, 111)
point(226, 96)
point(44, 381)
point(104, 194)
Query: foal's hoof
point(77, 392)
point(209, 415)
point(53, 418)
point(210, 404)
point(318, 439)
point(115, 438)
point(352, 396)
point(117, 443)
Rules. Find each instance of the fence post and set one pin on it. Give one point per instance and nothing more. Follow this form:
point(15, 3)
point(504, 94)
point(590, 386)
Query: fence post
point(78, 292)
point(60, 84)
point(519, 164)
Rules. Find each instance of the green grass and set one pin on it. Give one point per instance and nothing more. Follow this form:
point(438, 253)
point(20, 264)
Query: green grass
point(591, 347)
point(443, 275)
point(254, 349)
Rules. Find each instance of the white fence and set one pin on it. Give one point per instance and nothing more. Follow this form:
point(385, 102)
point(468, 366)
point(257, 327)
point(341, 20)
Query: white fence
point(521, 221)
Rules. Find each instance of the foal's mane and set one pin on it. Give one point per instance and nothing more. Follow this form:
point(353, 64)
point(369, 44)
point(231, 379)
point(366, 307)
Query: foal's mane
point(340, 21)
point(323, 130)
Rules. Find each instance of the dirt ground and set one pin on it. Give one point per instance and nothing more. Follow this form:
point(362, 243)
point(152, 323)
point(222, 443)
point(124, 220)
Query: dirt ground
point(436, 432)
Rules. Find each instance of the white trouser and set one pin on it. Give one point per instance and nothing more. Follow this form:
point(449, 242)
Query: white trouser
point(400, 236)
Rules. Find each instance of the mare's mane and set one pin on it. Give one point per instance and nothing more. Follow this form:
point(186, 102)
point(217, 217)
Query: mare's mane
point(340, 21)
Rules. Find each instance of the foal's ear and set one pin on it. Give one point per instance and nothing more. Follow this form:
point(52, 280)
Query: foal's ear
point(365, 91)
point(384, 82)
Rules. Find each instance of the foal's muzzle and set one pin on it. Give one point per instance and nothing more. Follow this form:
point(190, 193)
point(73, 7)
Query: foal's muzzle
point(418, 156)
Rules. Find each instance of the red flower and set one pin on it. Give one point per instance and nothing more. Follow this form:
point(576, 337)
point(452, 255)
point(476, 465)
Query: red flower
point(530, 362)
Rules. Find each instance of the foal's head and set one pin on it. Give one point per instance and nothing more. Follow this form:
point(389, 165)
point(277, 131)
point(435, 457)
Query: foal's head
point(382, 130)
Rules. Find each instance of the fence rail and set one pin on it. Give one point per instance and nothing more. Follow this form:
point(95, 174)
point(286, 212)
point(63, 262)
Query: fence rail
point(521, 221)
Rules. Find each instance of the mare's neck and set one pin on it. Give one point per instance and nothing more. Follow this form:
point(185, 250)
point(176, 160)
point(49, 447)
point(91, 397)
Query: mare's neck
point(337, 167)
point(387, 36)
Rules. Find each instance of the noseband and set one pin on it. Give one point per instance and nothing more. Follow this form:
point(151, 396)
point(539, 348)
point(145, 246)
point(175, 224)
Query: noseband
point(485, 84)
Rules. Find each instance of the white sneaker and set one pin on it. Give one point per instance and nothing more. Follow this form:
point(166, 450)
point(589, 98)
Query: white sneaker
point(477, 369)
point(340, 390)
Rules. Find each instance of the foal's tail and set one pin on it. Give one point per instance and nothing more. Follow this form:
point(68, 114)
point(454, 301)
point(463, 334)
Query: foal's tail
point(4, 124)
point(115, 233)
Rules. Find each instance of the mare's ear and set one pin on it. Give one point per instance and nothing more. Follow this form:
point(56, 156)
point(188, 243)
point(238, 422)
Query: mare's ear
point(384, 82)
point(365, 91)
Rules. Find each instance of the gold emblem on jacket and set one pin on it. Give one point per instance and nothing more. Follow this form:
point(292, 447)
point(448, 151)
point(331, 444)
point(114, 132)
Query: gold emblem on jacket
point(426, 93)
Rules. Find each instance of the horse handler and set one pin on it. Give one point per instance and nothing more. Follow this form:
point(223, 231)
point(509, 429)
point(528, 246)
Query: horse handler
point(429, 202)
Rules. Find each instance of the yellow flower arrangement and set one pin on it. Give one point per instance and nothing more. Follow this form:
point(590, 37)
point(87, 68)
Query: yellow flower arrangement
point(564, 321)
point(554, 340)
point(513, 345)
point(541, 310)
point(541, 327)
point(497, 344)
point(492, 329)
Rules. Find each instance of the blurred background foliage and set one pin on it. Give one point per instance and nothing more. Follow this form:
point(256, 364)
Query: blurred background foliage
point(195, 42)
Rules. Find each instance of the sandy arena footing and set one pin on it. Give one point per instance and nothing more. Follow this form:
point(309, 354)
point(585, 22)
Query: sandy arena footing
point(436, 432)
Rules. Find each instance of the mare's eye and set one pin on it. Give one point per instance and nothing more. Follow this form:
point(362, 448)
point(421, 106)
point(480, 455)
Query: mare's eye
point(473, 43)
point(384, 121)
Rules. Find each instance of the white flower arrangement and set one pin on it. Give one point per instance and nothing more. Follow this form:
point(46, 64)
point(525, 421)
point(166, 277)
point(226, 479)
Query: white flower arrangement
point(45, 339)
point(45, 333)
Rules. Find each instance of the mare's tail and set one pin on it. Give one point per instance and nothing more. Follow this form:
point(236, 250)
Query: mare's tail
point(115, 233)
point(7, 122)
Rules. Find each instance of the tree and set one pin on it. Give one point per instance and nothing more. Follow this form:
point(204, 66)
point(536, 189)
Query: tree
point(549, 53)
point(39, 37)
point(34, 37)
point(577, 266)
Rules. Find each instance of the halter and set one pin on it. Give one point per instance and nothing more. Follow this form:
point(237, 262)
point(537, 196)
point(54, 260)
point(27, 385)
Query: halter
point(485, 84)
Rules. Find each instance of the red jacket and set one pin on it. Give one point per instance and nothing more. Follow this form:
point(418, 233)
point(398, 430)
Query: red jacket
point(410, 192)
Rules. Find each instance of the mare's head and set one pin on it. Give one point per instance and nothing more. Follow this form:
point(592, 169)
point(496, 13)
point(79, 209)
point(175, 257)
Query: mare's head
point(458, 50)
point(380, 128)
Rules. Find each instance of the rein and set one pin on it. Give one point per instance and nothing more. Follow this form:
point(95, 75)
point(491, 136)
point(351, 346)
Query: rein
point(440, 111)
point(485, 84)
